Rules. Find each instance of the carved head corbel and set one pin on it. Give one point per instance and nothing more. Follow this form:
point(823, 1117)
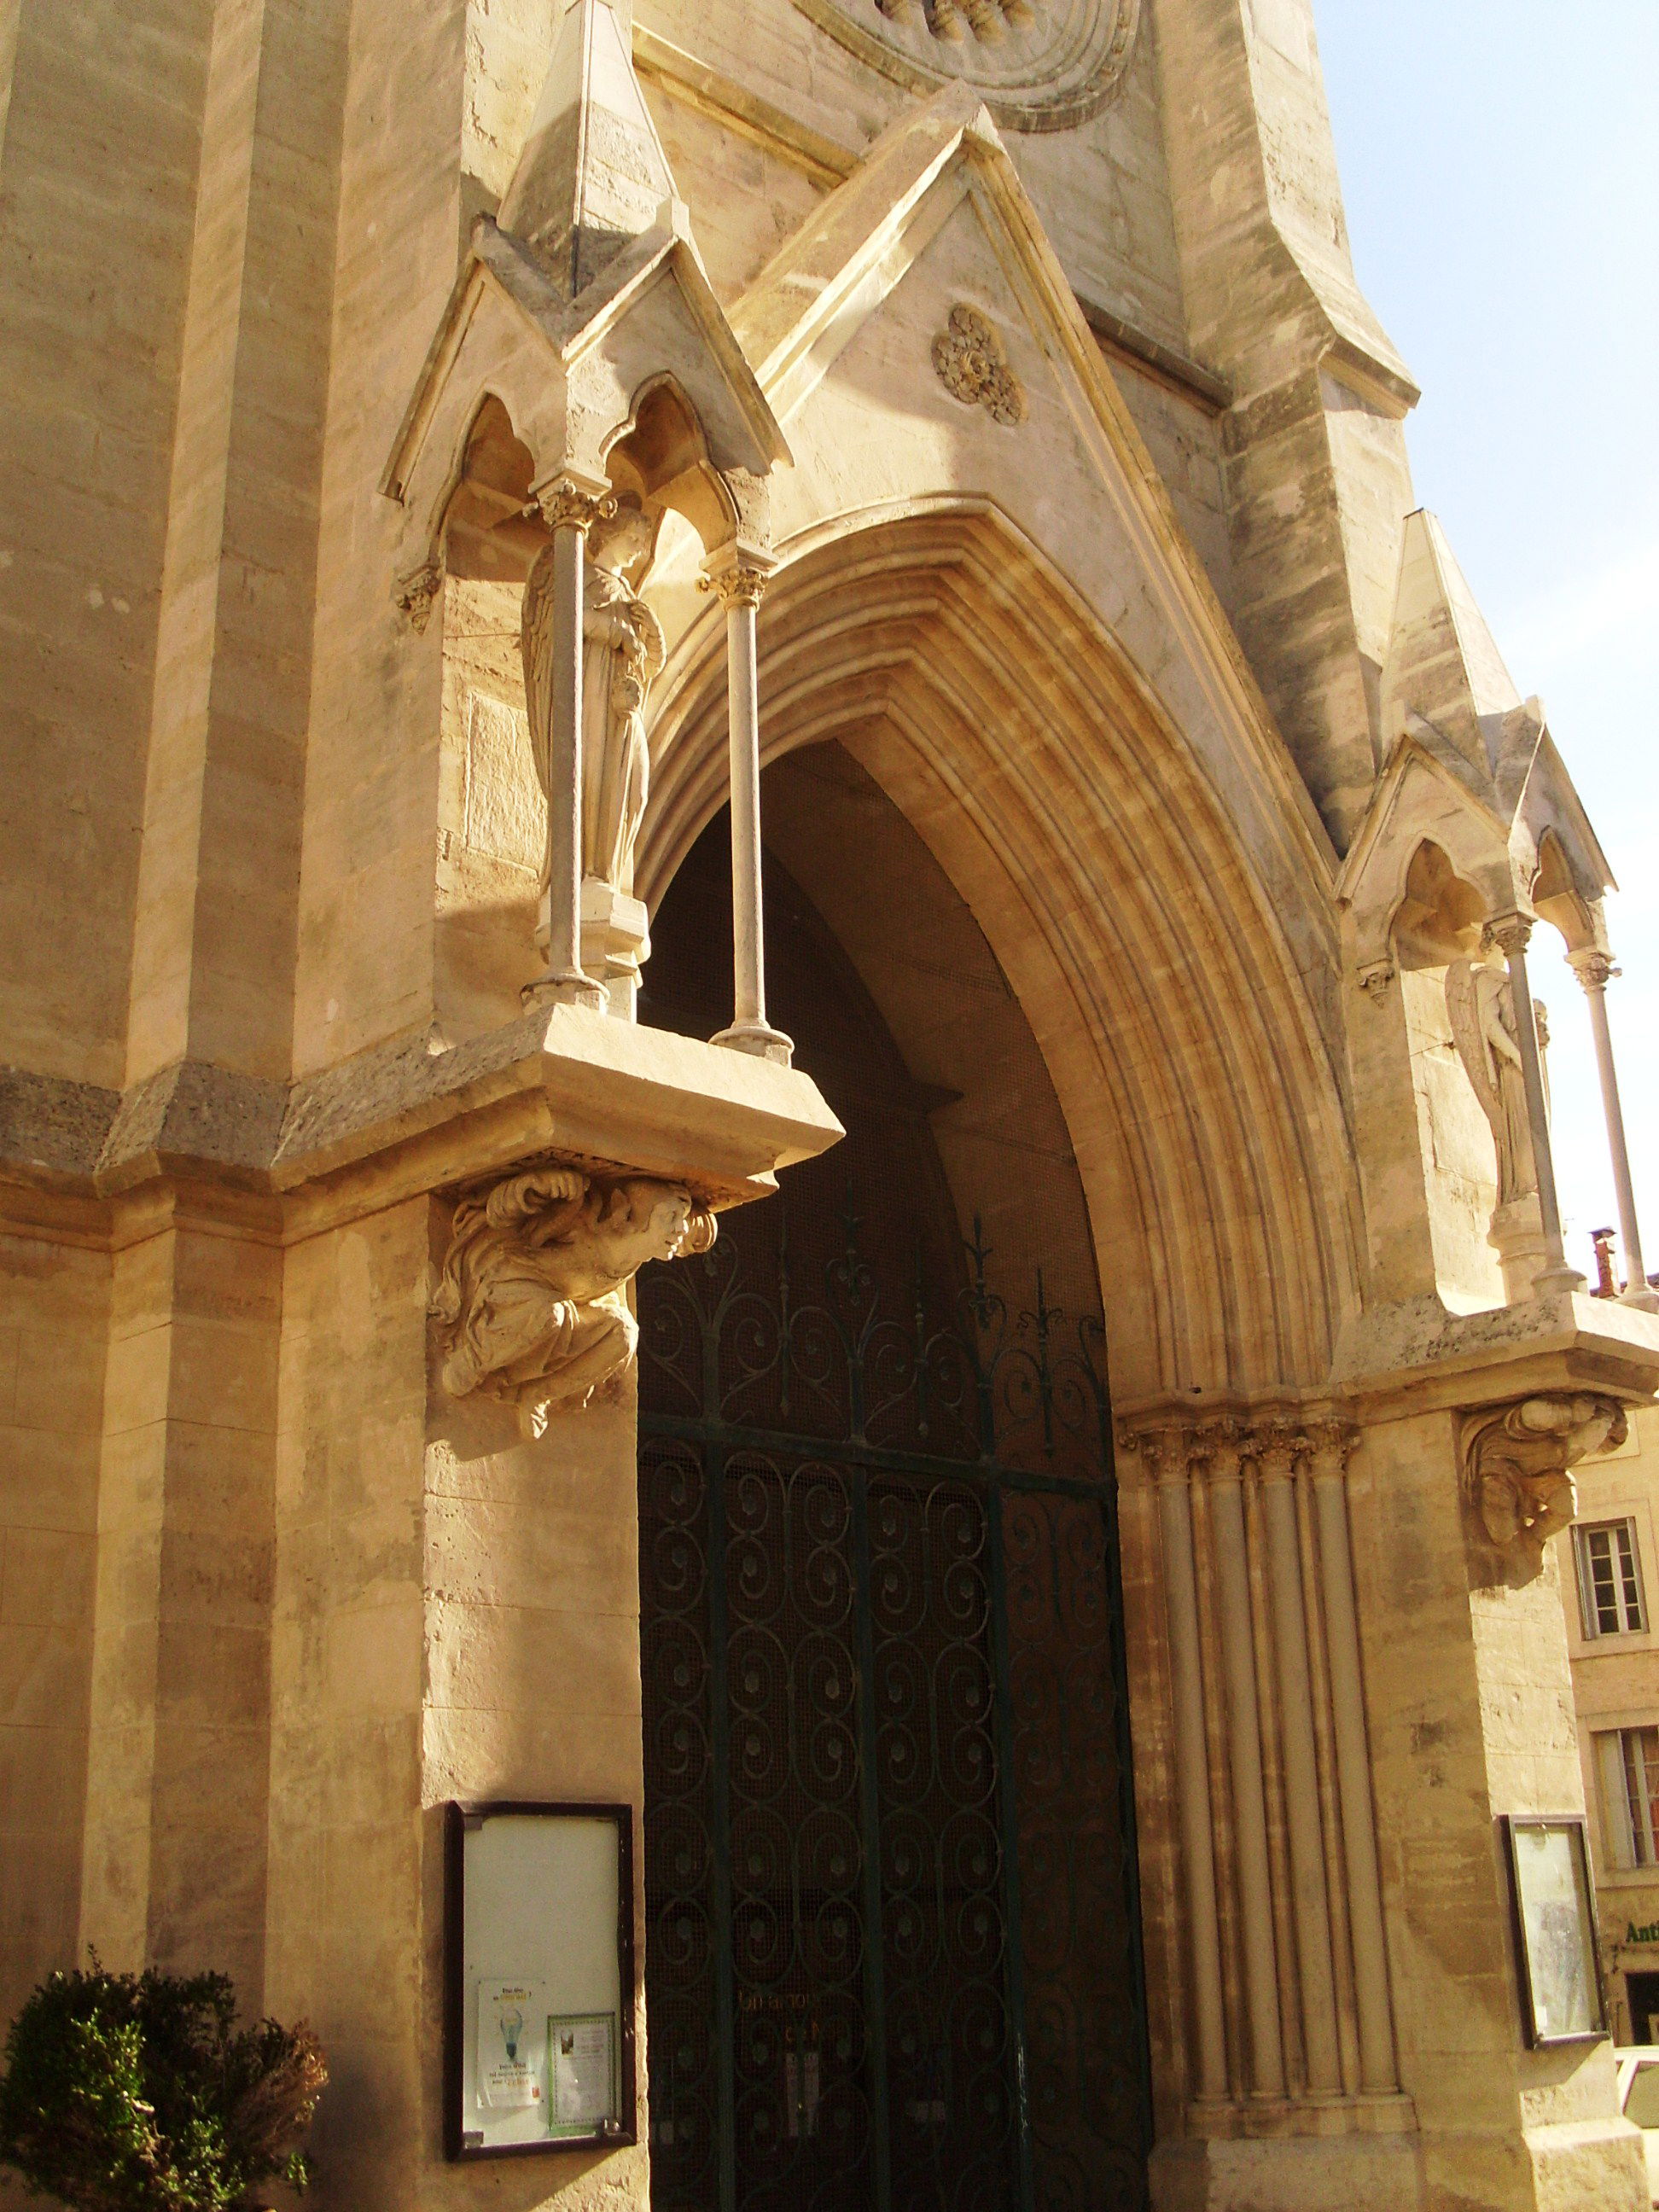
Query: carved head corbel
point(1516, 1461)
point(532, 1301)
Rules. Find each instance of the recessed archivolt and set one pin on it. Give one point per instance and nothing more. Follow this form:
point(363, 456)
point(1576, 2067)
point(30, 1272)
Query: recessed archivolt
point(964, 674)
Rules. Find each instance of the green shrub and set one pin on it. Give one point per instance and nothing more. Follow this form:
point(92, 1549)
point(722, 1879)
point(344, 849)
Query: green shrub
point(127, 2092)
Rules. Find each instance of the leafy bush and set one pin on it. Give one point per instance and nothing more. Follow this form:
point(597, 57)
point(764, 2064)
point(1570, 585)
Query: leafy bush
point(128, 2093)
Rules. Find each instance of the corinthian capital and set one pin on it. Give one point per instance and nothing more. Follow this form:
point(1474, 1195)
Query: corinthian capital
point(1165, 1448)
point(1594, 970)
point(1510, 932)
point(743, 585)
point(1330, 1441)
point(1516, 1461)
point(565, 506)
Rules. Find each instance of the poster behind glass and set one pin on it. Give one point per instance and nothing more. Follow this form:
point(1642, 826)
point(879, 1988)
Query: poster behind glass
point(1555, 1929)
point(540, 1978)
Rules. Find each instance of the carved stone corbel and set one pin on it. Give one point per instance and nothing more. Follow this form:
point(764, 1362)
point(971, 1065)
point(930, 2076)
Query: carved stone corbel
point(1516, 1462)
point(532, 1301)
point(415, 593)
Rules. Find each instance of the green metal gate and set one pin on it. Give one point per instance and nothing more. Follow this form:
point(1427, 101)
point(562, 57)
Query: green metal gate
point(893, 1937)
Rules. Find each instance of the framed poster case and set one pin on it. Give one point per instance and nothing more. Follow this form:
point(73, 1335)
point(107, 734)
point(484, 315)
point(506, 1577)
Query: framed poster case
point(1554, 1915)
point(539, 1978)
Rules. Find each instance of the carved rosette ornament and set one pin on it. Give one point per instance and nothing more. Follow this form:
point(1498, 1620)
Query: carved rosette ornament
point(1516, 1461)
point(531, 1302)
point(973, 367)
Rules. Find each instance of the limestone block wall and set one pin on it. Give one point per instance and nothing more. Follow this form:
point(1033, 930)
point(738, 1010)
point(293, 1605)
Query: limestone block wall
point(456, 1616)
point(175, 1834)
point(345, 1930)
point(1318, 483)
point(492, 816)
point(54, 1309)
point(1470, 1713)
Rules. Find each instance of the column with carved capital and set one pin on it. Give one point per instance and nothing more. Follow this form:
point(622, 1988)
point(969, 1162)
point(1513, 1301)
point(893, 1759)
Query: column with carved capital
point(1329, 1443)
point(740, 583)
point(1511, 932)
point(1244, 1757)
point(1275, 1455)
point(1593, 969)
point(551, 642)
point(1167, 1453)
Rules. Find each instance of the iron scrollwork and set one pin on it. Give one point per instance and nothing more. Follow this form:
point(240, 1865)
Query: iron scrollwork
point(889, 1863)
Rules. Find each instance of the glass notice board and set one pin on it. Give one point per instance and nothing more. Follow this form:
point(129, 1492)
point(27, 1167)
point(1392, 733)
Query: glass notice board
point(538, 1938)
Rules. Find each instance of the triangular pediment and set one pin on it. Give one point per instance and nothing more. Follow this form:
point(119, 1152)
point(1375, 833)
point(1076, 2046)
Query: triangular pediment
point(935, 219)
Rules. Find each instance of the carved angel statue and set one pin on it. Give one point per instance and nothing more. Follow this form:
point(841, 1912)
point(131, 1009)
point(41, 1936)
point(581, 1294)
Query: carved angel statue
point(623, 654)
point(1518, 1462)
point(1482, 1013)
point(532, 1300)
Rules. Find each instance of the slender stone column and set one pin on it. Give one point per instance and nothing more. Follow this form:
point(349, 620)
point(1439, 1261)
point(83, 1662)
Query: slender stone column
point(1330, 1447)
point(1166, 1454)
point(1510, 932)
point(552, 647)
point(740, 587)
point(1310, 1904)
point(1593, 968)
point(1244, 1755)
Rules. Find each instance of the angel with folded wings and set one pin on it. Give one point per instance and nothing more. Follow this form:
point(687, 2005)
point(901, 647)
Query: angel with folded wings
point(532, 1300)
point(1482, 1013)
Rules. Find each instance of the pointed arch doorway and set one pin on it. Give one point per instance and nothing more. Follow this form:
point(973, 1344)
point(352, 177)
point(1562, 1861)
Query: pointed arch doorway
point(893, 1953)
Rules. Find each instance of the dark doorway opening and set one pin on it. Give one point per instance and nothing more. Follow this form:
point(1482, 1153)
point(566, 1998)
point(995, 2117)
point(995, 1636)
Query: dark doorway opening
point(1643, 1992)
point(892, 1949)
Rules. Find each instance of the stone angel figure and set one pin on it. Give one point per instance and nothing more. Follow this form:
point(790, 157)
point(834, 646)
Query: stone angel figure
point(623, 654)
point(532, 1301)
point(1482, 1013)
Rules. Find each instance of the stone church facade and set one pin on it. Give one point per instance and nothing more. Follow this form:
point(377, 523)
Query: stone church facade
point(768, 1058)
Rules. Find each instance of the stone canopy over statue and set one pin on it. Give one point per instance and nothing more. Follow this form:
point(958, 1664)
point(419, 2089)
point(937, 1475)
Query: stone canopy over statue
point(623, 654)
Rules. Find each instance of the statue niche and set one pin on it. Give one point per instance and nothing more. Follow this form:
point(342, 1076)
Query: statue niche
point(532, 1299)
point(623, 654)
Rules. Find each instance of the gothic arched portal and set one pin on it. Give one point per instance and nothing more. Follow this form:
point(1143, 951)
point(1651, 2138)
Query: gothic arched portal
point(893, 1952)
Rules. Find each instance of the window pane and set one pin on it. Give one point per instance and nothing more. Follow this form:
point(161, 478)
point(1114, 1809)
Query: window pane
point(1615, 1799)
point(1609, 1579)
point(1630, 1590)
point(1641, 2104)
point(1641, 1787)
point(1599, 1543)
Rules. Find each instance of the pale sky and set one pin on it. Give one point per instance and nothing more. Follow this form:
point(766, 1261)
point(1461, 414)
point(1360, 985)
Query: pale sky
point(1500, 165)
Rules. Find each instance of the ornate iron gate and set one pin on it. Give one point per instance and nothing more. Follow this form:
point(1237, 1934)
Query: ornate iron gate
point(893, 1948)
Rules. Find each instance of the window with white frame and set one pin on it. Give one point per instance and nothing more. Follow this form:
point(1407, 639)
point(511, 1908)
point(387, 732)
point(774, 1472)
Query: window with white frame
point(1630, 1793)
point(1609, 1579)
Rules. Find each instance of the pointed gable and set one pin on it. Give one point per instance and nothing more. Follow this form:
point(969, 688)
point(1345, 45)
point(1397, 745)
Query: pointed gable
point(592, 175)
point(1444, 664)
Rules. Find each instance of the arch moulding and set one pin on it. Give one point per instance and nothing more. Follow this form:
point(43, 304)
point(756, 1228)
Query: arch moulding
point(960, 669)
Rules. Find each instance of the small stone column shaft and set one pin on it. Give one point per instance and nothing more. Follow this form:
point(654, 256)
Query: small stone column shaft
point(1244, 1755)
point(1310, 1904)
point(740, 587)
point(1510, 932)
point(1593, 971)
point(1353, 1768)
point(1167, 1453)
point(569, 514)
